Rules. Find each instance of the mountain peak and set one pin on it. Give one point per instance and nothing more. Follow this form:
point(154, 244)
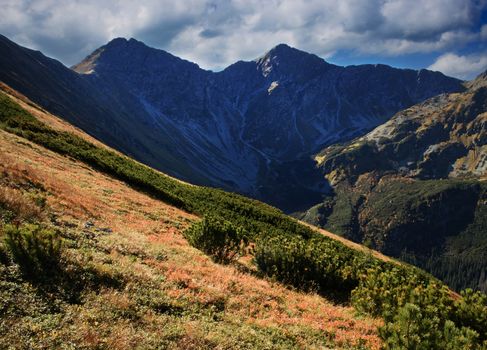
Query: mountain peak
point(123, 42)
point(284, 59)
point(126, 54)
point(117, 41)
point(87, 66)
point(283, 50)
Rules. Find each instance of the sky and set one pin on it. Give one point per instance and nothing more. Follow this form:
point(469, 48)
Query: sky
point(445, 35)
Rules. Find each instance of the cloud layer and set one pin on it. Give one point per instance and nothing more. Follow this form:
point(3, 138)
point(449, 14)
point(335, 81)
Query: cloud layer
point(215, 33)
point(462, 66)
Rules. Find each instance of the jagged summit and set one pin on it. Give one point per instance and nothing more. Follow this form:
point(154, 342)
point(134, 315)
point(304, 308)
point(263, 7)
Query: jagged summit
point(88, 64)
point(117, 41)
point(122, 53)
point(283, 50)
point(284, 59)
point(127, 44)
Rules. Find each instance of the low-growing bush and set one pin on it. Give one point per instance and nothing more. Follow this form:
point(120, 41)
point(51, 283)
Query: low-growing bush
point(218, 238)
point(383, 289)
point(419, 312)
point(471, 310)
point(35, 249)
point(415, 328)
point(314, 264)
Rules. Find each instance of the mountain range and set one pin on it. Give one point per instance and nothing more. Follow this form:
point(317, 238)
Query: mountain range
point(380, 155)
point(251, 128)
point(99, 250)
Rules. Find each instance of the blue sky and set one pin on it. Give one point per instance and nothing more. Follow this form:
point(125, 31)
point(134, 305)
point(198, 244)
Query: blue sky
point(445, 35)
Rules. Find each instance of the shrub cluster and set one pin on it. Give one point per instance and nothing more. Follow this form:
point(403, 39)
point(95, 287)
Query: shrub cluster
point(318, 264)
point(35, 249)
point(420, 312)
point(218, 238)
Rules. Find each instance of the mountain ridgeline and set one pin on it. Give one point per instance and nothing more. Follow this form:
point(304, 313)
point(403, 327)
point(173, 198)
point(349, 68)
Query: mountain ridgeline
point(251, 128)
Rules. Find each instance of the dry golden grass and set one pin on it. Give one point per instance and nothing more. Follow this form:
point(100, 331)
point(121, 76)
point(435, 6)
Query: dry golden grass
point(23, 208)
point(145, 245)
point(129, 235)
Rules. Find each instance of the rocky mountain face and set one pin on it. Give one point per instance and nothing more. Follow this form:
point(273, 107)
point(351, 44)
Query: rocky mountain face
point(414, 187)
point(444, 137)
point(64, 92)
point(251, 128)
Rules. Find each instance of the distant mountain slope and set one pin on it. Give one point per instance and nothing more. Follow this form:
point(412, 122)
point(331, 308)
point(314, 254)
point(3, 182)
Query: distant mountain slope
point(414, 186)
point(250, 128)
point(114, 117)
point(445, 136)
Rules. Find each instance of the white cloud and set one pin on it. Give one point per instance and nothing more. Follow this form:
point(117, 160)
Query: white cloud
point(215, 33)
point(464, 67)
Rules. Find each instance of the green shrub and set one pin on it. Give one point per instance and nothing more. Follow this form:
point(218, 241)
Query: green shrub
point(471, 310)
point(37, 250)
point(414, 328)
point(419, 312)
point(218, 238)
point(384, 289)
point(311, 264)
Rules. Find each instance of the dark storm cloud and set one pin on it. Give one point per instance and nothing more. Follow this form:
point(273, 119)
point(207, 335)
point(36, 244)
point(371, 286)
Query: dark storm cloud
point(210, 33)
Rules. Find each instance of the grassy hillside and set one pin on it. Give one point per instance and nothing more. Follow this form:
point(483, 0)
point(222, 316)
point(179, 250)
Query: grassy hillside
point(128, 278)
point(281, 249)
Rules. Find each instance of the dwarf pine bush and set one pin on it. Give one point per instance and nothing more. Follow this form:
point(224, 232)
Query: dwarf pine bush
point(35, 249)
point(219, 239)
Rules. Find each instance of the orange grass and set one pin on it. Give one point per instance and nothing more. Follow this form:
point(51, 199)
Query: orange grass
point(23, 208)
point(77, 193)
